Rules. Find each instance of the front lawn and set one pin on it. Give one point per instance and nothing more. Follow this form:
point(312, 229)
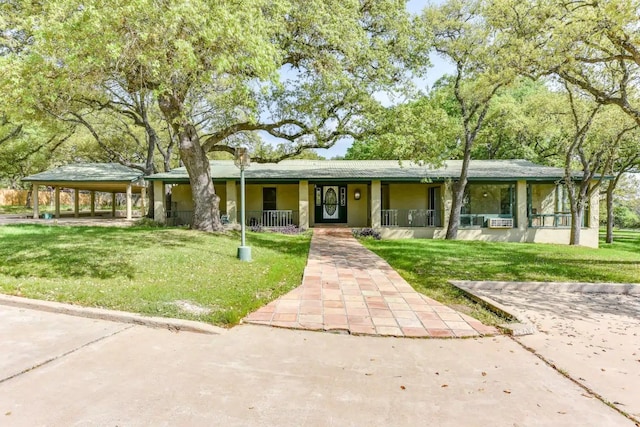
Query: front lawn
point(429, 264)
point(154, 271)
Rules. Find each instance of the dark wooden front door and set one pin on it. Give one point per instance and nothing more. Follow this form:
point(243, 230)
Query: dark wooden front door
point(331, 204)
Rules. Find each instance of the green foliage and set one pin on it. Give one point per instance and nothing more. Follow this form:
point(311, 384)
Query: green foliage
point(419, 130)
point(147, 270)
point(625, 217)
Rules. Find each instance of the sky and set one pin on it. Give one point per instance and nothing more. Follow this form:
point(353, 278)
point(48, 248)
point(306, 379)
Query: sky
point(439, 68)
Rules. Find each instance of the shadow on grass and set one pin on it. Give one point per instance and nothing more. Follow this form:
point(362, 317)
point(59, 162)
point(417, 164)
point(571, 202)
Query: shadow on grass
point(67, 252)
point(625, 240)
point(294, 245)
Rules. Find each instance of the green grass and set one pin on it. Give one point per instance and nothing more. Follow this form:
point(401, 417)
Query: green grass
point(17, 210)
point(429, 264)
point(147, 270)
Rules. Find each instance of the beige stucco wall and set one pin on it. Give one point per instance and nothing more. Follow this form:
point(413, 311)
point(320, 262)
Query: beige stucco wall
point(408, 196)
point(181, 194)
point(357, 210)
point(286, 196)
point(589, 236)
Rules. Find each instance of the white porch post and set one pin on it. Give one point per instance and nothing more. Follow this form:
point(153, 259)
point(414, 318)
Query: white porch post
point(303, 204)
point(232, 202)
point(521, 203)
point(376, 203)
point(93, 203)
point(113, 205)
point(76, 203)
point(57, 201)
point(159, 210)
point(34, 201)
point(129, 201)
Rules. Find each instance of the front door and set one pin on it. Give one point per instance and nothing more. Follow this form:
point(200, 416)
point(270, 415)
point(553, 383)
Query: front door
point(331, 203)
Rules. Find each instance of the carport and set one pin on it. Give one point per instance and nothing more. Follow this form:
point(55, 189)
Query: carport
point(111, 178)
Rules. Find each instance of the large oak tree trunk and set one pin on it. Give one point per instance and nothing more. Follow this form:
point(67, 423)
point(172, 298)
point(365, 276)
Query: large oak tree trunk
point(206, 211)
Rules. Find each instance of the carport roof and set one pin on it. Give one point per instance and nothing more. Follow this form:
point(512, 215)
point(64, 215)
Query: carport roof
point(366, 170)
point(110, 177)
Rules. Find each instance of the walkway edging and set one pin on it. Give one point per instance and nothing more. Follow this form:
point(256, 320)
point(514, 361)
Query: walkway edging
point(111, 315)
point(522, 327)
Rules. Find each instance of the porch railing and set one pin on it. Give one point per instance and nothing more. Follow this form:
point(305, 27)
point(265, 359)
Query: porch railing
point(410, 218)
point(555, 220)
point(272, 218)
point(472, 220)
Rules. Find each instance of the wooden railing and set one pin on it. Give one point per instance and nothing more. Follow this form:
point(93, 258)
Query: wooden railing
point(272, 218)
point(410, 218)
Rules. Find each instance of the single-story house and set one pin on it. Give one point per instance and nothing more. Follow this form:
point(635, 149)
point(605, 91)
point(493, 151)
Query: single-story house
point(112, 178)
point(506, 200)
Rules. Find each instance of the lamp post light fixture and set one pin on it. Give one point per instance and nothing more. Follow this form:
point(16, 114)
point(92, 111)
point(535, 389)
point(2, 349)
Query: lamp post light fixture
point(242, 161)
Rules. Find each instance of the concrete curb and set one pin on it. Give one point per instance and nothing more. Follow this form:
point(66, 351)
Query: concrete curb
point(171, 324)
point(522, 327)
point(602, 288)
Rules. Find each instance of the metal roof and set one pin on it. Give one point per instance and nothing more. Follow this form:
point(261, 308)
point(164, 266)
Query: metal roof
point(111, 177)
point(366, 170)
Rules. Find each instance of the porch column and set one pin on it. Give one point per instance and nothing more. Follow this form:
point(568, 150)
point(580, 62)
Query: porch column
point(376, 203)
point(159, 209)
point(76, 203)
point(113, 205)
point(93, 203)
point(129, 201)
point(34, 201)
point(303, 204)
point(232, 202)
point(521, 204)
point(57, 201)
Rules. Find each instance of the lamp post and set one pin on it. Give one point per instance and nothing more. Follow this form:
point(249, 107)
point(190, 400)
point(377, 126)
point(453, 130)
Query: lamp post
point(242, 161)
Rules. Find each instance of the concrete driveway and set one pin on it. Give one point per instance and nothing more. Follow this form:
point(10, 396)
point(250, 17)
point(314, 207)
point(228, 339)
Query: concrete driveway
point(60, 370)
point(589, 331)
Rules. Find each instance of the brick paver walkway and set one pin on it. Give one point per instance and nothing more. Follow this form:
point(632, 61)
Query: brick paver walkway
point(346, 287)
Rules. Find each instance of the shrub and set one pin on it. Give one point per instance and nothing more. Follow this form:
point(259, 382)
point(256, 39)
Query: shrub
point(368, 233)
point(289, 229)
point(257, 228)
point(148, 222)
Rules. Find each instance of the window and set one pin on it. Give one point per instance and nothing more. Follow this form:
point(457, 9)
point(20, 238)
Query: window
point(506, 200)
point(269, 199)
